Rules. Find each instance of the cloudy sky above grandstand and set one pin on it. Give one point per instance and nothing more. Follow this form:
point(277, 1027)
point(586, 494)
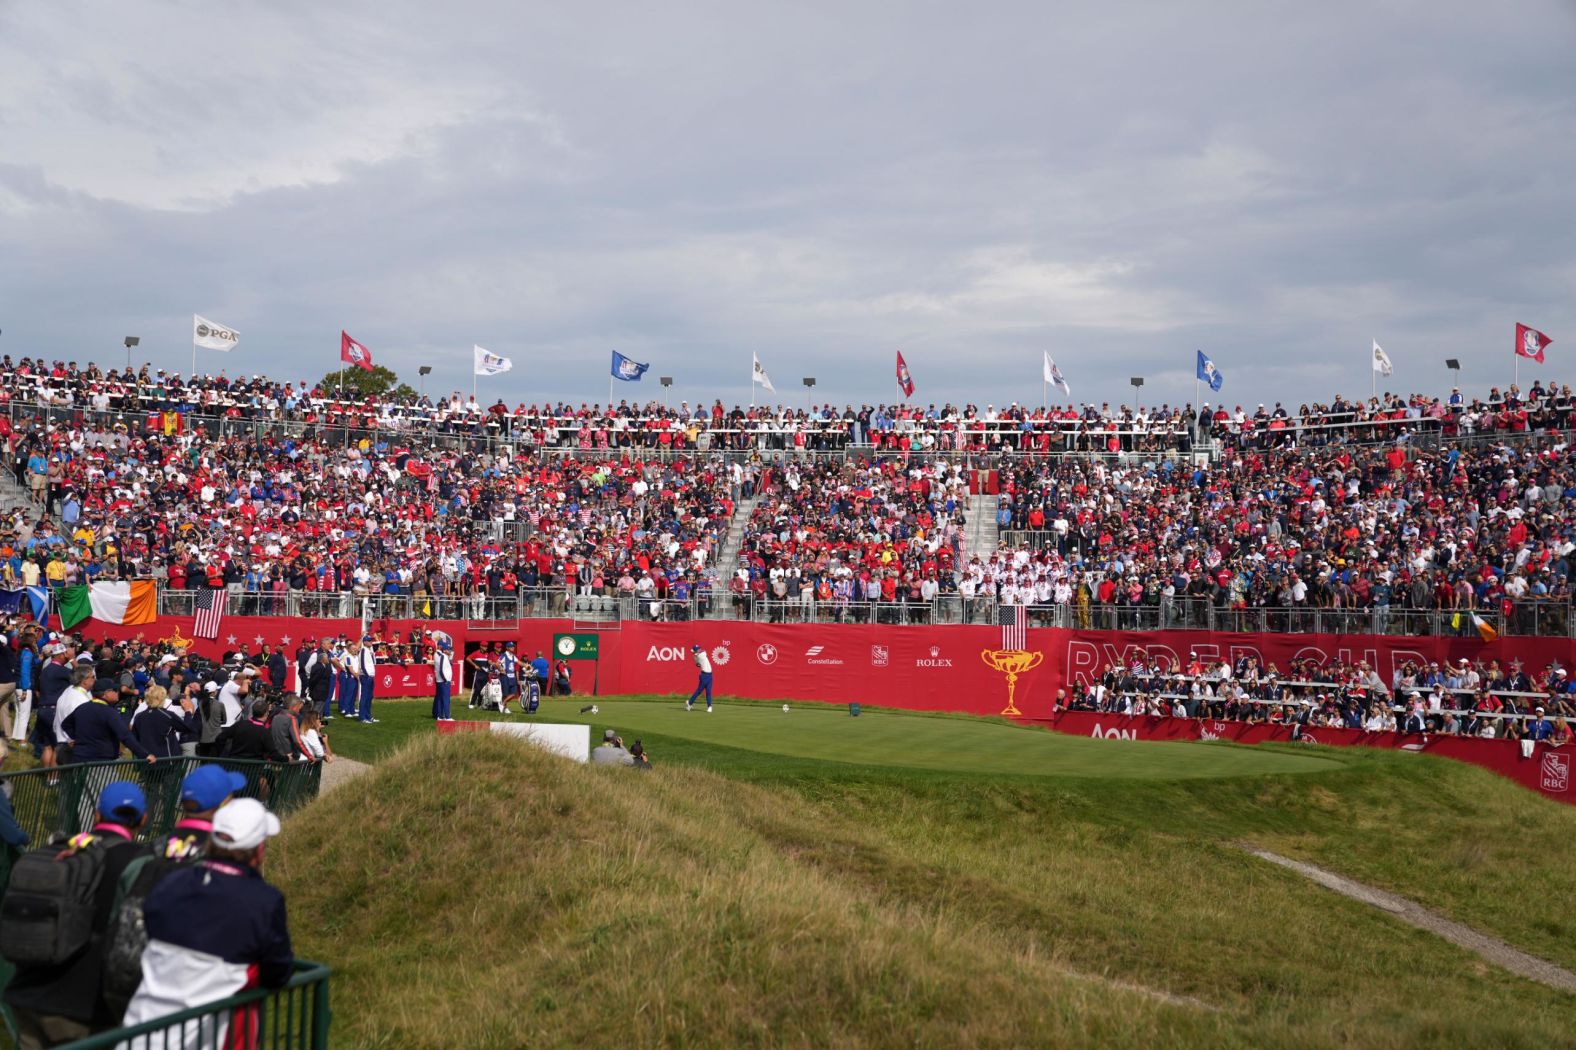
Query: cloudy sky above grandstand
point(822, 184)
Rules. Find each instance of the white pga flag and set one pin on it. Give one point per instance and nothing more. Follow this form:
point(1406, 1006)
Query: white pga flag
point(758, 374)
point(210, 335)
point(489, 363)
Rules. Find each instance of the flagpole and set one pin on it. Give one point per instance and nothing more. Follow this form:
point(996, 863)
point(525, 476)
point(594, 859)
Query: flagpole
point(752, 380)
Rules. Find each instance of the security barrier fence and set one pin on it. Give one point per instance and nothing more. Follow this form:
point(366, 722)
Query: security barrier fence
point(52, 804)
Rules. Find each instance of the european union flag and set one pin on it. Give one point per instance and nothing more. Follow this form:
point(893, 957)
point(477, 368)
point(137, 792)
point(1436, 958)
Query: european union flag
point(1208, 373)
point(627, 368)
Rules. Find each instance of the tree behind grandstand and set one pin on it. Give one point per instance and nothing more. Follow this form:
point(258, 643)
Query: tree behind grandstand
point(376, 382)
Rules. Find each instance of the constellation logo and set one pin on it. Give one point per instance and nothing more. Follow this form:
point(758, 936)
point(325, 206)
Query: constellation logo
point(813, 655)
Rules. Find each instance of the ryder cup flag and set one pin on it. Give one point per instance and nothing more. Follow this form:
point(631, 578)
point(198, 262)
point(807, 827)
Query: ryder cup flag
point(135, 602)
point(210, 335)
point(353, 353)
point(1208, 373)
point(1530, 342)
point(1382, 363)
point(1053, 376)
point(627, 368)
point(489, 363)
point(758, 375)
point(905, 381)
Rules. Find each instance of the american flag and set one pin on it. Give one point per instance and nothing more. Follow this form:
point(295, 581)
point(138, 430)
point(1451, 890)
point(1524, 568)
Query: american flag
point(209, 604)
point(1014, 624)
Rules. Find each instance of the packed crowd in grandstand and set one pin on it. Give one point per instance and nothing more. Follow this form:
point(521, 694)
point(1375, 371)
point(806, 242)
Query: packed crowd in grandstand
point(1453, 505)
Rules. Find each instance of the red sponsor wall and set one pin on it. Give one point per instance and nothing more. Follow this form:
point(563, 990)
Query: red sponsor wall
point(944, 668)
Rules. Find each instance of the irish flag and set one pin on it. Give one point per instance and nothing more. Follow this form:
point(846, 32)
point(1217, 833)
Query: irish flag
point(134, 602)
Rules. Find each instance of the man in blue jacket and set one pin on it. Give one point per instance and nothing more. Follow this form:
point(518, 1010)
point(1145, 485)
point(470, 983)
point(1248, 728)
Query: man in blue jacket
point(216, 929)
point(98, 729)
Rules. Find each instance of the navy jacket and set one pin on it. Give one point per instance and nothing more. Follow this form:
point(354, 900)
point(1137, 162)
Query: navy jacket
point(97, 732)
point(161, 730)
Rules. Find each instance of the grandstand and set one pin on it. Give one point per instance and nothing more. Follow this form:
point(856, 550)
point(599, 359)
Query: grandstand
point(1393, 516)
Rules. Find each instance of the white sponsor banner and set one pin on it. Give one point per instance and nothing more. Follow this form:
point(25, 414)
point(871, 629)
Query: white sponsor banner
point(210, 335)
point(571, 741)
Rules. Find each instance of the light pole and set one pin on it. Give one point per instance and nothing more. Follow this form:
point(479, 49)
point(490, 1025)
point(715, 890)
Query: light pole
point(131, 341)
point(1138, 384)
point(423, 372)
point(666, 382)
point(809, 385)
point(1454, 365)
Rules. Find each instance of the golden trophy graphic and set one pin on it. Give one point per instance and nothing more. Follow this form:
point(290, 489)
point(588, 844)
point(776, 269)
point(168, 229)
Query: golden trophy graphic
point(1012, 663)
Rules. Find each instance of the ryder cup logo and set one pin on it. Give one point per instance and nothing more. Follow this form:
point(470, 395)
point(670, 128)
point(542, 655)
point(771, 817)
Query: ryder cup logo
point(1530, 341)
point(627, 369)
point(1556, 772)
point(357, 353)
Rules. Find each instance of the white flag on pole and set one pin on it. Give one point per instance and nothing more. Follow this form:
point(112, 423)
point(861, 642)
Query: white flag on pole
point(1054, 377)
point(212, 336)
point(489, 363)
point(759, 374)
point(1382, 363)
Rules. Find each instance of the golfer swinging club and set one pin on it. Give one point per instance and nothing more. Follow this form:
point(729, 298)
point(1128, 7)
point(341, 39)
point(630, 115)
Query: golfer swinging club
point(703, 684)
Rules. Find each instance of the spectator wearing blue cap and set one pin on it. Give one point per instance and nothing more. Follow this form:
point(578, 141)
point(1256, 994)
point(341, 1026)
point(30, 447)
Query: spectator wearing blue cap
point(443, 679)
point(366, 668)
point(53, 1004)
point(203, 792)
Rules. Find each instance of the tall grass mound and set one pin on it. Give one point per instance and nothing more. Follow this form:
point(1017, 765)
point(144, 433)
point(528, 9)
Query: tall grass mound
point(473, 891)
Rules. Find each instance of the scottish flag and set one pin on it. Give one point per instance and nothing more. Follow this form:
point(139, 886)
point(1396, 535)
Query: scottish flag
point(1208, 373)
point(627, 368)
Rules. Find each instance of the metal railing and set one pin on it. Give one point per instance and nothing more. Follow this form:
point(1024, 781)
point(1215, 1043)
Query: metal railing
point(295, 1017)
point(1525, 619)
point(62, 800)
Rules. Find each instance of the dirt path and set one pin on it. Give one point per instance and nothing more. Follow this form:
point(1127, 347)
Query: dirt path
point(1492, 949)
point(341, 771)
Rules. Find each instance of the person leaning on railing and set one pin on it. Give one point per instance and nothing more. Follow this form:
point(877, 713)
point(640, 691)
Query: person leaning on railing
point(215, 929)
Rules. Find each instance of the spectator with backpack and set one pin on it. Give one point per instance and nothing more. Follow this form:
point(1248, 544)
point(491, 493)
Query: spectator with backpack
point(215, 929)
point(53, 918)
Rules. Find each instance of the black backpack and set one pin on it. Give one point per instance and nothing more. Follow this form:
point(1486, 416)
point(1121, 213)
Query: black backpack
point(127, 935)
point(46, 916)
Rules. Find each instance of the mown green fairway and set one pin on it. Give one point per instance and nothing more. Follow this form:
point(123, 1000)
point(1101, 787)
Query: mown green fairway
point(903, 740)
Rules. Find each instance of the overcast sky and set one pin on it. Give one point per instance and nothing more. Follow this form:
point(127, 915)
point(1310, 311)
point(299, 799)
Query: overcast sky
point(973, 184)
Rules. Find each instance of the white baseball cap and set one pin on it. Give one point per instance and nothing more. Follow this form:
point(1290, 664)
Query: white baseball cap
point(243, 824)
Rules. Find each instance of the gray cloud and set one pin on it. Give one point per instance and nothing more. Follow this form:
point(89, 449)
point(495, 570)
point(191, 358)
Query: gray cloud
point(1117, 186)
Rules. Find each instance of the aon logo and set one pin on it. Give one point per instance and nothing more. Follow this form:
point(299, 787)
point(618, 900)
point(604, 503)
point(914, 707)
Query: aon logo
point(1114, 733)
point(666, 653)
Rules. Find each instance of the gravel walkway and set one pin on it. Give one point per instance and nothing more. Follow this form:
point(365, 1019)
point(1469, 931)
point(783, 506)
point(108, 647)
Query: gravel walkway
point(341, 771)
point(1493, 949)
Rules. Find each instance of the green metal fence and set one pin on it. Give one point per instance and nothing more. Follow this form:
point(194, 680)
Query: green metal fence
point(62, 802)
point(295, 1017)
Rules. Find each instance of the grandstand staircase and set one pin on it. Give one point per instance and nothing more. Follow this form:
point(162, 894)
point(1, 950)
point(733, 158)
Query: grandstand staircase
point(14, 496)
point(728, 557)
point(981, 533)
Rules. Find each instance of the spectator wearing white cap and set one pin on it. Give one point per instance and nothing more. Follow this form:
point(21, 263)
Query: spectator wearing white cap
point(215, 929)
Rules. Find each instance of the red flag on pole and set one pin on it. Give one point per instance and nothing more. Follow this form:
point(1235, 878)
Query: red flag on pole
point(905, 381)
point(353, 353)
point(1530, 342)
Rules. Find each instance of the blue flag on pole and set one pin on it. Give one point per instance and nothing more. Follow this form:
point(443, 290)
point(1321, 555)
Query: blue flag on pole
point(1208, 373)
point(627, 368)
